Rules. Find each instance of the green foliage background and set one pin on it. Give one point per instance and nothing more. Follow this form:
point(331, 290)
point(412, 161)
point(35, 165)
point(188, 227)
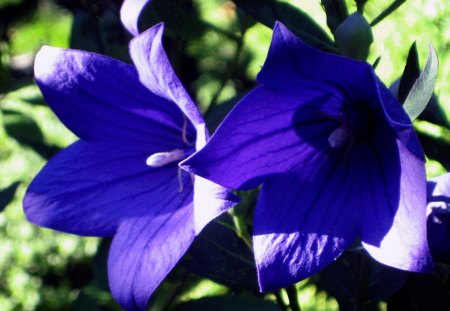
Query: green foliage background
point(45, 270)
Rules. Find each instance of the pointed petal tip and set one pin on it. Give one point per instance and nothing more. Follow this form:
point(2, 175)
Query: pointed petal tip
point(46, 61)
point(130, 12)
point(153, 33)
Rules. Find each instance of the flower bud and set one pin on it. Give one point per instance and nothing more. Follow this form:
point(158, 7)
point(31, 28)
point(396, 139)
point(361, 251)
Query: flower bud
point(354, 37)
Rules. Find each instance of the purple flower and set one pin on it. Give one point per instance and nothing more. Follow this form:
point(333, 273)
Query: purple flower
point(337, 158)
point(129, 14)
point(122, 178)
point(438, 225)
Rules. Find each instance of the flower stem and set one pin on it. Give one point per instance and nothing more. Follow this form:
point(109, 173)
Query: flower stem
point(292, 293)
point(177, 291)
point(241, 231)
point(280, 300)
point(362, 280)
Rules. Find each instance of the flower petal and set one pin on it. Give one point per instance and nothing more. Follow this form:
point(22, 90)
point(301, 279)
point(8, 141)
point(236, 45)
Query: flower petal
point(129, 14)
point(157, 74)
point(145, 249)
point(210, 199)
point(101, 99)
point(268, 132)
point(303, 220)
point(290, 58)
point(89, 188)
point(396, 191)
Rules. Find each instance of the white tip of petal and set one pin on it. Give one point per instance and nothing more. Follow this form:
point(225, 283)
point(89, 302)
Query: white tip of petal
point(46, 61)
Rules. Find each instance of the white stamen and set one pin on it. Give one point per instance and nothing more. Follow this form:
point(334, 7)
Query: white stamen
point(184, 130)
point(339, 136)
point(159, 159)
point(180, 180)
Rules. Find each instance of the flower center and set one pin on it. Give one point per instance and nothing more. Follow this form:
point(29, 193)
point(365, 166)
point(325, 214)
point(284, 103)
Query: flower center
point(356, 124)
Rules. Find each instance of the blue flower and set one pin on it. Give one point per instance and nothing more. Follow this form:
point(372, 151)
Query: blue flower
point(337, 158)
point(122, 178)
point(438, 225)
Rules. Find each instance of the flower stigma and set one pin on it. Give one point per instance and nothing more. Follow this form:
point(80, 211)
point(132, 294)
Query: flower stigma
point(356, 122)
point(159, 159)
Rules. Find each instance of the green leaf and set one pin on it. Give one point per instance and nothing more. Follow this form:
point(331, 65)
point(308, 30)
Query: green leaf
point(410, 74)
point(336, 12)
point(7, 194)
point(25, 130)
point(220, 255)
point(269, 11)
point(227, 303)
point(422, 292)
point(100, 264)
point(436, 149)
point(355, 275)
point(360, 5)
point(180, 17)
point(394, 6)
point(422, 89)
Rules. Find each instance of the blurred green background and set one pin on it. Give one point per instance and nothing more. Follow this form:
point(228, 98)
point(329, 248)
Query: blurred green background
point(218, 57)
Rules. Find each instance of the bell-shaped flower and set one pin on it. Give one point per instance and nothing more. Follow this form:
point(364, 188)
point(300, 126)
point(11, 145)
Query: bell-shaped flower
point(438, 225)
point(121, 179)
point(337, 158)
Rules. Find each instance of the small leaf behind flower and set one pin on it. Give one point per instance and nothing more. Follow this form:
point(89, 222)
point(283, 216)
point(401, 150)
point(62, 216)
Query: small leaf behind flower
point(299, 22)
point(7, 194)
point(410, 74)
point(422, 89)
point(220, 255)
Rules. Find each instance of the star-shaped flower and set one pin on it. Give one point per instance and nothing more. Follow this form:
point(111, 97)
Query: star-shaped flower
point(122, 179)
point(438, 225)
point(337, 158)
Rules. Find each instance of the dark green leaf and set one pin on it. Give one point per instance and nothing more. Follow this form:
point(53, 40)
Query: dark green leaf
point(27, 132)
point(410, 74)
point(355, 274)
point(227, 303)
point(220, 255)
point(7, 194)
point(336, 11)
point(269, 11)
point(100, 265)
point(376, 62)
point(391, 8)
point(181, 17)
point(422, 292)
point(436, 149)
point(434, 113)
point(360, 5)
point(85, 34)
point(422, 89)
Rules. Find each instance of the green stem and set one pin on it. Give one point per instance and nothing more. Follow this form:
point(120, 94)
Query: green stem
point(292, 293)
point(362, 281)
point(280, 300)
point(177, 291)
point(241, 230)
point(343, 10)
point(394, 6)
